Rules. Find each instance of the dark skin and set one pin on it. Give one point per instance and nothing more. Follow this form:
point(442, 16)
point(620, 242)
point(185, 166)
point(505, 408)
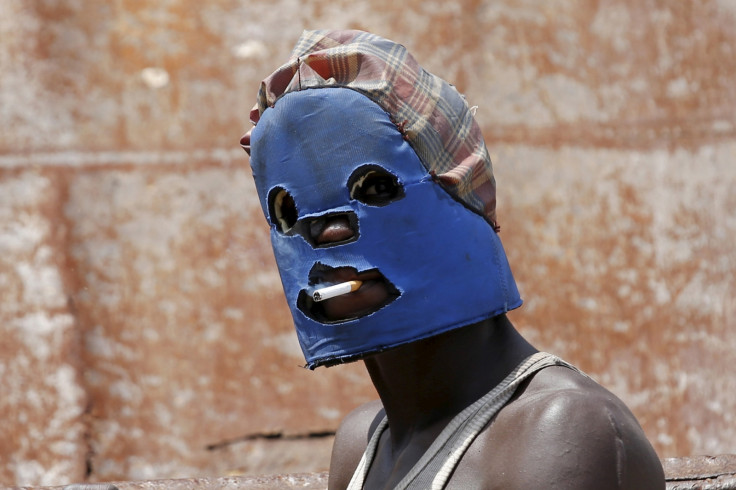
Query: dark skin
point(560, 429)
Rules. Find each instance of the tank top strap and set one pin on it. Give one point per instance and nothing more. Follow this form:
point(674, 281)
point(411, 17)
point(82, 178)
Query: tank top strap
point(356, 482)
point(435, 467)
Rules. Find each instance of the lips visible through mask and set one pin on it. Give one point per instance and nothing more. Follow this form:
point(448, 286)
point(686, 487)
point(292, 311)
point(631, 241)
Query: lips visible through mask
point(375, 292)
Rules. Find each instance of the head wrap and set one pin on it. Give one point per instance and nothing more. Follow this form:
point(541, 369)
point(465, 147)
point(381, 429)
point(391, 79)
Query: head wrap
point(429, 248)
point(431, 114)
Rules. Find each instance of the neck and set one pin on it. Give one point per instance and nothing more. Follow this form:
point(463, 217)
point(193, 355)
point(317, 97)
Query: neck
point(424, 384)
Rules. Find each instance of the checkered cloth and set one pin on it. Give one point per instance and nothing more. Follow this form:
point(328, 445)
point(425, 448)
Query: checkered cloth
point(433, 117)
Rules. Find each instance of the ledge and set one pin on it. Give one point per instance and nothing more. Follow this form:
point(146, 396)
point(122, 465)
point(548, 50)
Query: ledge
point(701, 472)
point(690, 473)
point(306, 481)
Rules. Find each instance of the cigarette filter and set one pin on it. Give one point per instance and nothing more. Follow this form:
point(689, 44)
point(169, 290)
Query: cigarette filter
point(335, 290)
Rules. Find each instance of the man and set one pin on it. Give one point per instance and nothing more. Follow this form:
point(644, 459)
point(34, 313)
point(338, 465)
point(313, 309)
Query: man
point(380, 194)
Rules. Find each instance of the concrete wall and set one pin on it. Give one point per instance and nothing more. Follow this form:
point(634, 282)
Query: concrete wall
point(143, 333)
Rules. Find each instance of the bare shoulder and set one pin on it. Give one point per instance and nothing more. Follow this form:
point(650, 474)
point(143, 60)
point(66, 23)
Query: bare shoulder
point(351, 440)
point(563, 430)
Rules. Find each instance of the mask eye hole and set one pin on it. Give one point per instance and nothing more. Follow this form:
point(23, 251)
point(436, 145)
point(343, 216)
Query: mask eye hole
point(375, 186)
point(282, 209)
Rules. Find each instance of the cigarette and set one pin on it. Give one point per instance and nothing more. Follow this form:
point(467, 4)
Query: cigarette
point(335, 290)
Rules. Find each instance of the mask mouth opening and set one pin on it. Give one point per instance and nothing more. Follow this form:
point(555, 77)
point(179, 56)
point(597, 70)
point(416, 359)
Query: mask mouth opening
point(374, 293)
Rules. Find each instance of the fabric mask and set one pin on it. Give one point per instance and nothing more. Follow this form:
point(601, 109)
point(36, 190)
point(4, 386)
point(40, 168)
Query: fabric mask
point(329, 153)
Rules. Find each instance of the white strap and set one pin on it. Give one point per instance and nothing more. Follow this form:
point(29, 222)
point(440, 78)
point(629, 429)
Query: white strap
point(436, 465)
point(356, 482)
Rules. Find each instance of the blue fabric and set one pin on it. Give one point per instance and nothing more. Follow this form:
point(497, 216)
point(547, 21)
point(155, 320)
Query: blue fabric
point(445, 261)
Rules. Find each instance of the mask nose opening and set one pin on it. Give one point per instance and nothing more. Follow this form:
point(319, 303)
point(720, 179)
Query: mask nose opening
point(331, 229)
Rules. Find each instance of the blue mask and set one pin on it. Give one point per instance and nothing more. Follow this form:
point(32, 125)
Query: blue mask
point(332, 153)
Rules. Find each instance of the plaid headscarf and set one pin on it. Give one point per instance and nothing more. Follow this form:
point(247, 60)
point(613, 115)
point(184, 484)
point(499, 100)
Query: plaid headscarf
point(433, 117)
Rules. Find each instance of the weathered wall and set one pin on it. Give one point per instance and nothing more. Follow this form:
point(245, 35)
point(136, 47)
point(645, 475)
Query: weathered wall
point(143, 331)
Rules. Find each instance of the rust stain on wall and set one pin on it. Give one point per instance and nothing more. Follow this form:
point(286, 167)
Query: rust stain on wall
point(631, 277)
